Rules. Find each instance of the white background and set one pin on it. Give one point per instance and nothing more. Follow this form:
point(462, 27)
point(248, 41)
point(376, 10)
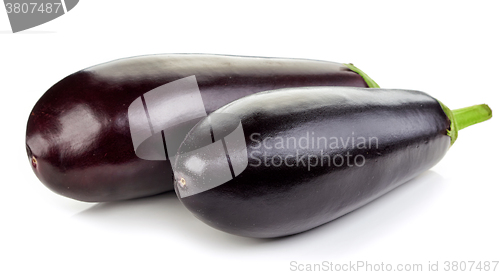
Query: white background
point(447, 49)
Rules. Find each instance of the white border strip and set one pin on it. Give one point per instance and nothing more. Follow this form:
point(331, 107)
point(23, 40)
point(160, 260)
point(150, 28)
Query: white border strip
point(64, 6)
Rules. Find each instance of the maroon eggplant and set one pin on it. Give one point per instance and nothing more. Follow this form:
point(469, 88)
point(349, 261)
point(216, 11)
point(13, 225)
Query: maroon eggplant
point(282, 162)
point(79, 139)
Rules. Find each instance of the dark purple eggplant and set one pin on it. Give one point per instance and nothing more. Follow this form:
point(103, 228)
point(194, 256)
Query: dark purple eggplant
point(78, 136)
point(282, 162)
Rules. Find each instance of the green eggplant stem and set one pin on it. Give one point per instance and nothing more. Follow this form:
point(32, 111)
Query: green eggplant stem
point(370, 82)
point(468, 116)
point(465, 117)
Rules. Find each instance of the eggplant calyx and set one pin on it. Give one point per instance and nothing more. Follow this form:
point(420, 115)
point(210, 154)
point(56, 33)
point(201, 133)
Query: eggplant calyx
point(371, 83)
point(465, 117)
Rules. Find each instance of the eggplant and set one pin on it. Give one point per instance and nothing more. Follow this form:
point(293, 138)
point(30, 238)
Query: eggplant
point(79, 139)
point(281, 162)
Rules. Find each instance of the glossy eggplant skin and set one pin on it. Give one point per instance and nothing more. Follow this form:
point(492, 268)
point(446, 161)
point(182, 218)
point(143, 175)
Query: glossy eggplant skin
point(78, 138)
point(271, 198)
